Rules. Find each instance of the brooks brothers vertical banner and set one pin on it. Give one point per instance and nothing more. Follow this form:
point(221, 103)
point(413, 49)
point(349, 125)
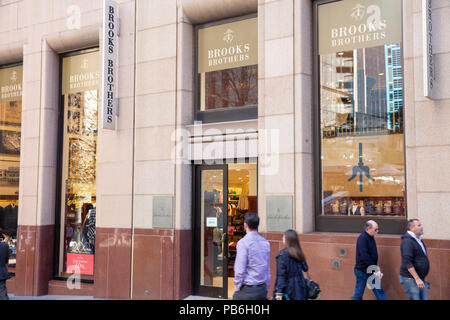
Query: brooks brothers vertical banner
point(109, 73)
point(428, 59)
point(229, 45)
point(354, 24)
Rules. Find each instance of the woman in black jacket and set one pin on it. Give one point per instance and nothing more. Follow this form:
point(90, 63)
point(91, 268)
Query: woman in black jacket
point(291, 264)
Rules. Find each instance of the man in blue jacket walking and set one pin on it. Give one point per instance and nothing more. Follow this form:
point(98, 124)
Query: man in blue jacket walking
point(415, 264)
point(366, 268)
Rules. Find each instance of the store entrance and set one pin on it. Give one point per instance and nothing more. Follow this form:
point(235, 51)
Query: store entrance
point(223, 195)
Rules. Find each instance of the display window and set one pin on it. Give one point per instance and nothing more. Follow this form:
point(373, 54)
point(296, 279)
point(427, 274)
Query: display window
point(80, 87)
point(361, 116)
point(10, 131)
point(227, 70)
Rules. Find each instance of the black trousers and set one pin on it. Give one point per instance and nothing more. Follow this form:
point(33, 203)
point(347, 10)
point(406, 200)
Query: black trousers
point(3, 291)
point(251, 293)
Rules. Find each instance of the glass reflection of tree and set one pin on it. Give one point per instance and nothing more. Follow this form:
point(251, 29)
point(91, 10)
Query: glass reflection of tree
point(235, 87)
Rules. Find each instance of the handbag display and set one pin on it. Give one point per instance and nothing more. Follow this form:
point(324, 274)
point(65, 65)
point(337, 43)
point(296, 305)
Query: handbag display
point(313, 289)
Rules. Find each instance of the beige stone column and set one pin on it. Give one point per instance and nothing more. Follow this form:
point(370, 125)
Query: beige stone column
point(276, 79)
point(154, 170)
point(304, 157)
point(427, 121)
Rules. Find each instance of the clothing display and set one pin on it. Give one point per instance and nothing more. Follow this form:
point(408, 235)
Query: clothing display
point(369, 206)
point(379, 208)
point(355, 210)
point(343, 207)
point(243, 202)
point(335, 207)
point(8, 215)
point(388, 207)
point(397, 208)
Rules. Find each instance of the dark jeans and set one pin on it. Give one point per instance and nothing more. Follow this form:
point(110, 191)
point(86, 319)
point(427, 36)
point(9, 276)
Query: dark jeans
point(361, 282)
point(251, 293)
point(412, 290)
point(3, 292)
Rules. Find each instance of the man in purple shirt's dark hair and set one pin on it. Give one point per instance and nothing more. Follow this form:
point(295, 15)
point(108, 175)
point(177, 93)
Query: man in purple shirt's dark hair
point(252, 267)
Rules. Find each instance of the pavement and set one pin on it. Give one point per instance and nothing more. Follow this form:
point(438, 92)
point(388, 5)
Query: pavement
point(52, 297)
point(69, 297)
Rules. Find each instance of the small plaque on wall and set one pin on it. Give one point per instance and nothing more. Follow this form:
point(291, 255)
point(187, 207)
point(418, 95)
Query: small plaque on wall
point(162, 212)
point(279, 213)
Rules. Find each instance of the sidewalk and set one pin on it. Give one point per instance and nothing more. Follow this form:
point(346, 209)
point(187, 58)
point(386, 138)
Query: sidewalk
point(68, 297)
point(52, 297)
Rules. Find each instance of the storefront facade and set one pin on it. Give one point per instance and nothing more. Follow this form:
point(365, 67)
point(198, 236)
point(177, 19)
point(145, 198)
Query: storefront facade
point(314, 120)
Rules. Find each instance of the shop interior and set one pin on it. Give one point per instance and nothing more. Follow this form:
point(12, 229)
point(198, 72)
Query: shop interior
point(242, 198)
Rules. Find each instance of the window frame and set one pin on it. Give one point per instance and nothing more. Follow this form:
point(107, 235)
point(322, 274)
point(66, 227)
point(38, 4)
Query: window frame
point(59, 168)
point(344, 224)
point(12, 269)
point(227, 114)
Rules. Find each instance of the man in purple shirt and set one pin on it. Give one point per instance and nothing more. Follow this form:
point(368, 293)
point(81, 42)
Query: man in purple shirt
point(252, 267)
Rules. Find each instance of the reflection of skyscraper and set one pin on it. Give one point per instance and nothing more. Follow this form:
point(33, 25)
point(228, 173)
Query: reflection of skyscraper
point(362, 91)
point(370, 106)
point(394, 84)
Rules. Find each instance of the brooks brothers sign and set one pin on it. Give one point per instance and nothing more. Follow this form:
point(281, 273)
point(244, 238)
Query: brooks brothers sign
point(229, 45)
point(354, 24)
point(109, 73)
point(11, 84)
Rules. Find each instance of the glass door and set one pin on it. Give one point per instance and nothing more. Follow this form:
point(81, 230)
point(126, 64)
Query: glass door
point(210, 235)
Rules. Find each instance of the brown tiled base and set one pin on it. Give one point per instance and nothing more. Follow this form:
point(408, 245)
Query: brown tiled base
point(321, 249)
point(112, 265)
point(10, 285)
point(153, 264)
point(59, 287)
point(34, 260)
point(162, 264)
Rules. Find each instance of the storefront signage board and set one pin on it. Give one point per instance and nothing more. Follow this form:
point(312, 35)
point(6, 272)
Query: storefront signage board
point(109, 59)
point(229, 45)
point(354, 24)
point(11, 84)
point(279, 211)
point(211, 222)
point(428, 58)
point(80, 73)
point(162, 212)
point(80, 262)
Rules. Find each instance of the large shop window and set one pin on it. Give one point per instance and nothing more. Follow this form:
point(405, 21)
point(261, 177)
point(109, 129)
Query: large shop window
point(362, 172)
point(10, 128)
point(80, 85)
point(227, 70)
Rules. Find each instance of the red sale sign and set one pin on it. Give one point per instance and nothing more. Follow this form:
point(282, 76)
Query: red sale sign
point(80, 263)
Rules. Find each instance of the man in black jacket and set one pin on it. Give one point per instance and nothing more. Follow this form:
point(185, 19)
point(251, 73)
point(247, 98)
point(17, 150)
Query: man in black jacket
point(415, 263)
point(366, 269)
point(4, 275)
